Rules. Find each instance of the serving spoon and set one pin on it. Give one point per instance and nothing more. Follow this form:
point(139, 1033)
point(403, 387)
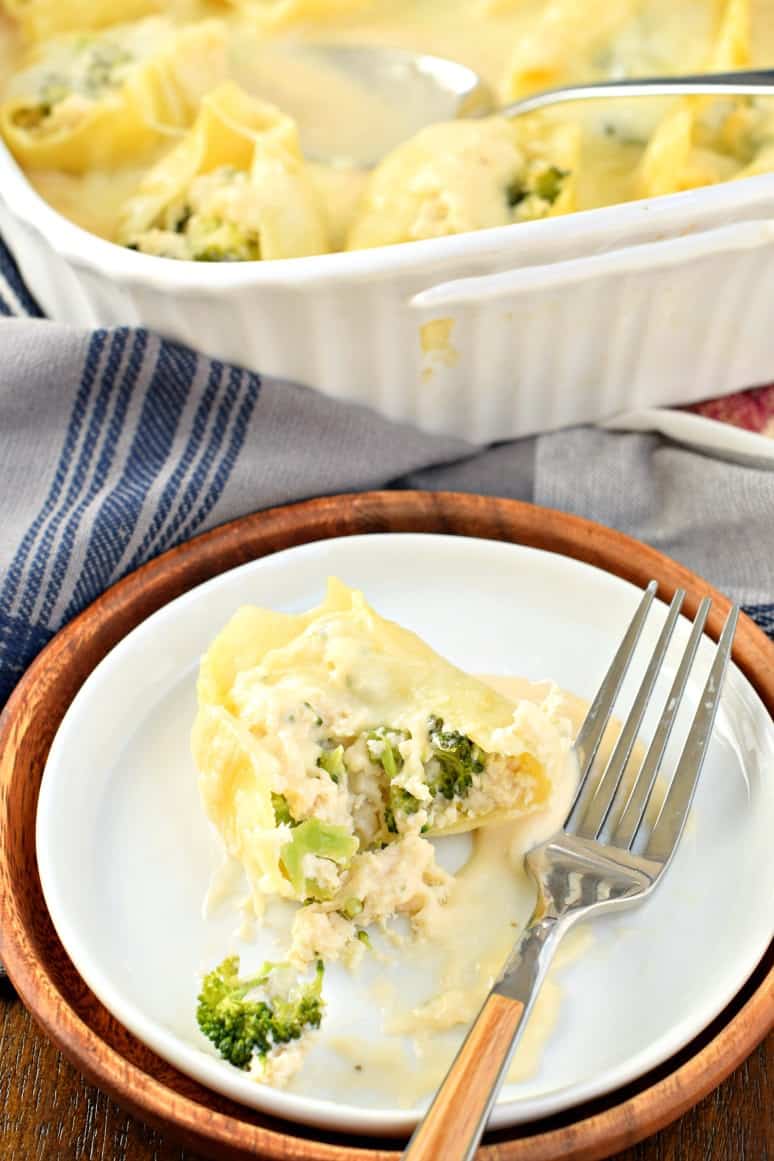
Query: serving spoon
point(427, 89)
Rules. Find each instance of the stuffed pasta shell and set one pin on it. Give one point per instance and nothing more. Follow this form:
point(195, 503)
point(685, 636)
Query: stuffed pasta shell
point(468, 175)
point(95, 100)
point(330, 743)
point(234, 189)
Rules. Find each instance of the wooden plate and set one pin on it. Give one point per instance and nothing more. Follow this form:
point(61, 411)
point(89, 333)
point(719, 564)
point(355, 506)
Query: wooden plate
point(113, 1059)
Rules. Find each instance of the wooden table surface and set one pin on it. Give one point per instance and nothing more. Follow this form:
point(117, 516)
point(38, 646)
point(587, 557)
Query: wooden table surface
point(49, 1113)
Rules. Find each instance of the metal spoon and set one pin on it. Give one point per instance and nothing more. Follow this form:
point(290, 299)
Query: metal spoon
point(428, 89)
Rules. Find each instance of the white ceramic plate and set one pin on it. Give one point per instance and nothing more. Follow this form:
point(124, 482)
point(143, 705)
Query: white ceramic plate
point(124, 851)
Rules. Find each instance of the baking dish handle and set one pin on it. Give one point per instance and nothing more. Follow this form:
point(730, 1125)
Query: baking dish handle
point(646, 257)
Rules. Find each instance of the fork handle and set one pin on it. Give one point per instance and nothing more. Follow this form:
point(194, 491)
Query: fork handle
point(454, 1123)
point(460, 1109)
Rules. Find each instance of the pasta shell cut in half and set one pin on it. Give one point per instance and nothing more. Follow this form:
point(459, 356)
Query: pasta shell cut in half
point(359, 736)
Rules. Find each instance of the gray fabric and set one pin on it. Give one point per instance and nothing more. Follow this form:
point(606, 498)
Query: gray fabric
point(715, 517)
point(116, 445)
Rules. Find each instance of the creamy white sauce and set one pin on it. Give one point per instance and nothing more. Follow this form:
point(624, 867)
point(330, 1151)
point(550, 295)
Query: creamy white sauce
point(461, 954)
point(277, 61)
point(490, 904)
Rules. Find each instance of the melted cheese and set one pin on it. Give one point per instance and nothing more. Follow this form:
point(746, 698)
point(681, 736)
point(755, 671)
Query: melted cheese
point(86, 164)
point(466, 944)
point(466, 175)
point(295, 713)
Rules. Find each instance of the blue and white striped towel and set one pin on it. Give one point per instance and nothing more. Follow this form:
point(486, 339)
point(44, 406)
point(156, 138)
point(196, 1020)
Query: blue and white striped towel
point(116, 445)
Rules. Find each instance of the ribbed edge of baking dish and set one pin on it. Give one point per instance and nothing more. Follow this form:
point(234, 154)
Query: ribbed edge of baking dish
point(543, 325)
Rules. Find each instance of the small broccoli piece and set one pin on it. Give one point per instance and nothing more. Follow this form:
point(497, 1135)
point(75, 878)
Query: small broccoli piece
point(181, 218)
point(515, 193)
point(282, 810)
point(548, 184)
point(213, 239)
point(105, 67)
point(32, 117)
point(457, 758)
point(399, 802)
point(364, 938)
point(351, 908)
point(53, 89)
point(332, 762)
point(383, 747)
point(241, 1028)
point(323, 839)
point(317, 719)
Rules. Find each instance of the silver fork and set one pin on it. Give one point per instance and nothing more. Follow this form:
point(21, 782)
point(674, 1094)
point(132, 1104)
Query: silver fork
point(587, 867)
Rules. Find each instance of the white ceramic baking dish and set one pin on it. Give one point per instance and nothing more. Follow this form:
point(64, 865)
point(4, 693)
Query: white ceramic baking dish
point(487, 336)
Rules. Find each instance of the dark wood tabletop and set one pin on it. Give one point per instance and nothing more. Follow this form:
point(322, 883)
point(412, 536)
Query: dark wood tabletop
point(49, 1113)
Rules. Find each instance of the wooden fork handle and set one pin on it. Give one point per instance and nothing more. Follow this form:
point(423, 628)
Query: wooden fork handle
point(453, 1123)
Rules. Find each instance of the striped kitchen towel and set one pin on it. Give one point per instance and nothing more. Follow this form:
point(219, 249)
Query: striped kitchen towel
point(116, 445)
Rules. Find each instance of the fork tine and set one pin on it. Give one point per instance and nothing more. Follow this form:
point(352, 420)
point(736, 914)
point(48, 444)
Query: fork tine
point(604, 793)
point(595, 722)
point(639, 795)
point(674, 811)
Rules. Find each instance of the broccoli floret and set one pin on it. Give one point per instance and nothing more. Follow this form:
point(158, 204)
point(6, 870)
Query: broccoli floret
point(332, 762)
point(548, 184)
point(180, 218)
point(213, 239)
point(241, 1028)
point(399, 801)
point(282, 810)
point(457, 758)
point(515, 193)
point(32, 116)
point(382, 745)
point(449, 768)
point(323, 839)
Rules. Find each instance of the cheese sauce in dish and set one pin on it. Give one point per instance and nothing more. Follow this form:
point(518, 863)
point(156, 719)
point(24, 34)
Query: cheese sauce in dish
point(103, 106)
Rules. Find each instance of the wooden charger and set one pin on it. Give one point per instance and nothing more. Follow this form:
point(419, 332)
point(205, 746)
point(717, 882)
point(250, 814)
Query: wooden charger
point(152, 1089)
